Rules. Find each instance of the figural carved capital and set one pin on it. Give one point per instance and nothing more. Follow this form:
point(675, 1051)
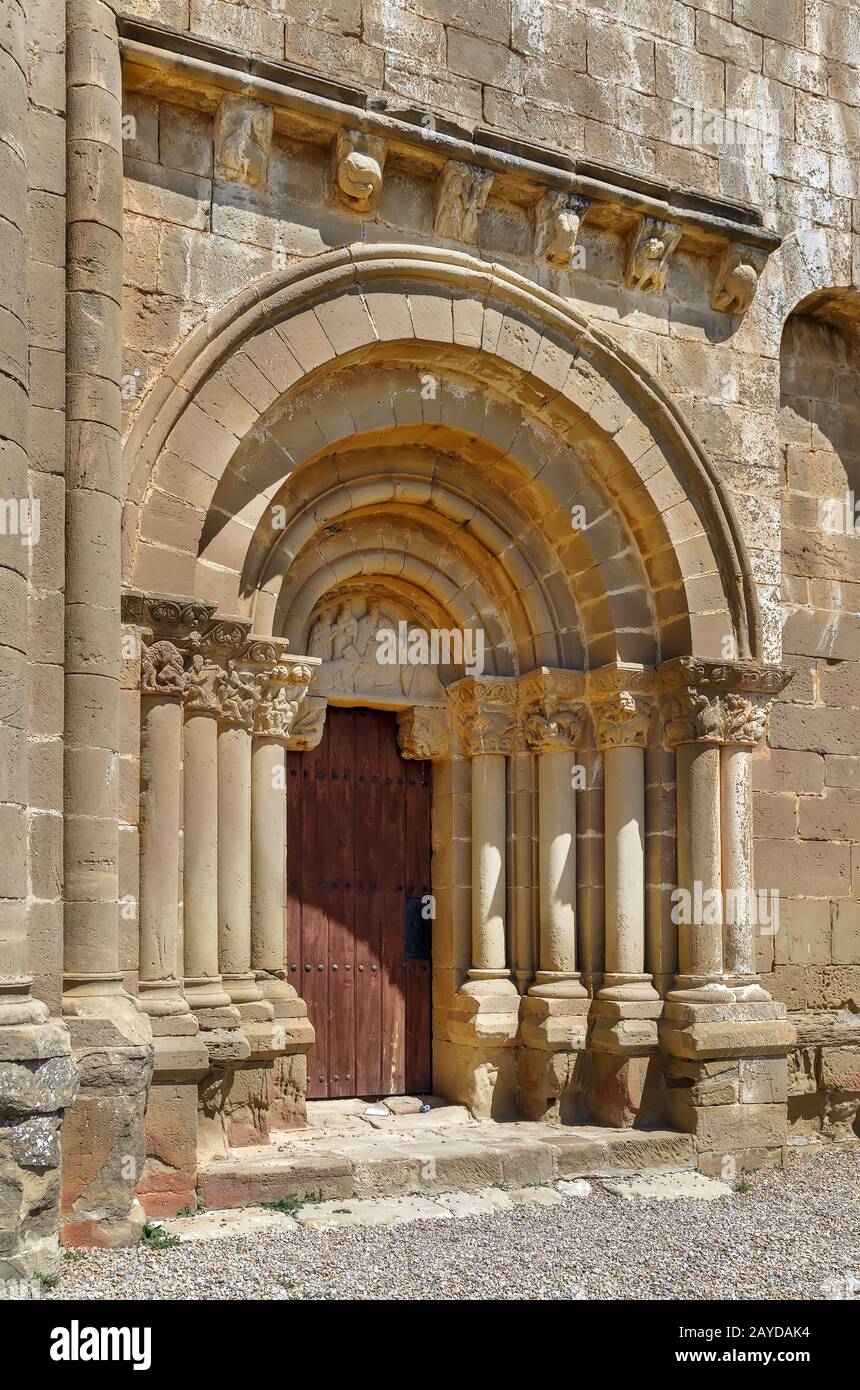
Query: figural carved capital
point(243, 140)
point(717, 702)
point(237, 694)
point(281, 691)
point(486, 715)
point(461, 195)
point(162, 669)
point(557, 219)
point(649, 250)
point(423, 733)
point(308, 724)
point(737, 278)
point(622, 705)
point(357, 164)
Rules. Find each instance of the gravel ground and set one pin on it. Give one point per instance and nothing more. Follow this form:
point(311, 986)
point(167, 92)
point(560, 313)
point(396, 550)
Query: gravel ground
point(784, 1238)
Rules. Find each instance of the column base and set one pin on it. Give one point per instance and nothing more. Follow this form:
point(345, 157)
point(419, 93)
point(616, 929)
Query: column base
point(702, 989)
point(163, 999)
point(625, 1085)
point(39, 1083)
point(103, 1133)
point(485, 1010)
point(632, 988)
point(726, 1076)
point(244, 990)
point(558, 984)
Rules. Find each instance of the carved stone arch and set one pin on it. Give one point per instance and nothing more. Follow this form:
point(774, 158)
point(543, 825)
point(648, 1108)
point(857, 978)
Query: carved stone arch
point(363, 303)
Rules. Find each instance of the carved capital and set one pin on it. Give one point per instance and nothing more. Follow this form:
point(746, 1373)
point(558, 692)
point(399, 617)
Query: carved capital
point(423, 733)
point(162, 669)
point(557, 219)
point(243, 140)
point(308, 725)
point(486, 715)
point(553, 709)
point(717, 702)
point(622, 705)
point(461, 195)
point(202, 682)
point(237, 693)
point(281, 691)
point(357, 164)
point(737, 278)
point(648, 253)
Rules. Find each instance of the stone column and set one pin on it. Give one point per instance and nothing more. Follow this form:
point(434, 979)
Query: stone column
point(218, 1018)
point(162, 691)
point(622, 709)
point(484, 1015)
point(624, 1080)
point(725, 1040)
point(238, 694)
point(37, 1076)
point(554, 1012)
point(111, 1036)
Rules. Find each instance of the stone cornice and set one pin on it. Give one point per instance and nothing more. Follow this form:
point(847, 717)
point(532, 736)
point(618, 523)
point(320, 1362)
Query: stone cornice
point(622, 702)
point(717, 701)
point(172, 65)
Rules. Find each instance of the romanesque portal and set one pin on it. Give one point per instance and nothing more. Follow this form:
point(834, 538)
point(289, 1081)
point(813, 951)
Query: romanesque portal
point(580, 443)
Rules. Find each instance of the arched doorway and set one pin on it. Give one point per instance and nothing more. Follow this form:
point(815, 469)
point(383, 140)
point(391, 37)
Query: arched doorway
point(359, 905)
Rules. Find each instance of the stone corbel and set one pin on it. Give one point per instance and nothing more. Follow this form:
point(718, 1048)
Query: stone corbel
point(486, 715)
point(357, 164)
point(243, 140)
point(308, 724)
point(717, 702)
point(737, 278)
point(424, 733)
point(622, 706)
point(557, 219)
point(461, 195)
point(648, 253)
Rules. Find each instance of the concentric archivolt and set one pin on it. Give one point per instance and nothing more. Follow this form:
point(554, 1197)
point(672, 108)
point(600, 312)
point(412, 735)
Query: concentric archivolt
point(382, 391)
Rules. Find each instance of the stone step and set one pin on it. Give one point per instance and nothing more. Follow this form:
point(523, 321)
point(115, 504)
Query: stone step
point(484, 1156)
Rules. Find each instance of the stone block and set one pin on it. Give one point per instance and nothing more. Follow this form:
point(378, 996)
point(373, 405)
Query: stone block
point(624, 1090)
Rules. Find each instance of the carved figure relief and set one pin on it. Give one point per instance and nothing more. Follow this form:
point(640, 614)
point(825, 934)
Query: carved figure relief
point(243, 139)
point(355, 662)
point(357, 164)
point(557, 219)
point(737, 279)
point(461, 196)
point(648, 254)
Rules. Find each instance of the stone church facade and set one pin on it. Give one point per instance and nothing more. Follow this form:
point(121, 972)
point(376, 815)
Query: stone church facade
point(521, 326)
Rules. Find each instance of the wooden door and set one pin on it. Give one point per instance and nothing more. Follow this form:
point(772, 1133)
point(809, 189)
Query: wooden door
point(358, 865)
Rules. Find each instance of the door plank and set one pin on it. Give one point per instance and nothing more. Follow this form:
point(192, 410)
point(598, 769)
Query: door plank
point(367, 810)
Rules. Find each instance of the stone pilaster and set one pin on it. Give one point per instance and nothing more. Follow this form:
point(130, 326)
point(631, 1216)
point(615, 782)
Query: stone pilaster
point(725, 1040)
point(624, 1082)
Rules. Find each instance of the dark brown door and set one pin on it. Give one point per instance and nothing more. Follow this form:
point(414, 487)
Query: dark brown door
point(358, 866)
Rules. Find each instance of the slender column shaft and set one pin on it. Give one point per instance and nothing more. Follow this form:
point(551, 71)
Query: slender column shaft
point(488, 863)
point(200, 870)
point(160, 824)
point(234, 863)
point(739, 939)
point(699, 860)
point(93, 503)
point(557, 860)
point(268, 854)
point(624, 830)
point(522, 895)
